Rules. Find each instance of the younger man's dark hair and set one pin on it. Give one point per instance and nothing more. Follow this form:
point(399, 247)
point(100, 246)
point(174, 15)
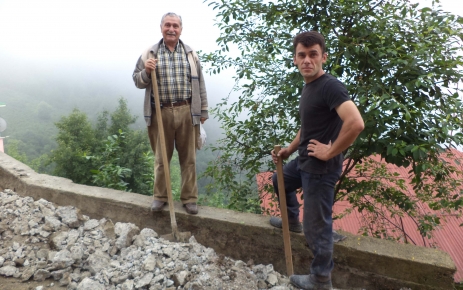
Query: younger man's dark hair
point(308, 39)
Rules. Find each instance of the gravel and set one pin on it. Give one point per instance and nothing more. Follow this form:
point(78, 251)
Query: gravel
point(43, 242)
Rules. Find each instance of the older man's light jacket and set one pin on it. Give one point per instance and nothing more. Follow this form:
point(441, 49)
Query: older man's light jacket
point(199, 104)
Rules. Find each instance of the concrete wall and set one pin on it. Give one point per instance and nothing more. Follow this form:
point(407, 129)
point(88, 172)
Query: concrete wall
point(360, 262)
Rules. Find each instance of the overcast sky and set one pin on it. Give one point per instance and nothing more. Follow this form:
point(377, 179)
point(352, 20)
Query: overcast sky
point(103, 30)
point(109, 34)
point(97, 30)
point(99, 38)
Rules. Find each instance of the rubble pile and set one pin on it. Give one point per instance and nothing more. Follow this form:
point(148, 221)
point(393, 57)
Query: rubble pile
point(41, 241)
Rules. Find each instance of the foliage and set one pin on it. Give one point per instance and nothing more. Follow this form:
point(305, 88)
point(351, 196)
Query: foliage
point(175, 176)
point(39, 164)
point(13, 150)
point(400, 65)
point(237, 190)
point(75, 137)
point(118, 156)
point(135, 148)
point(215, 199)
point(78, 137)
point(33, 107)
point(384, 197)
point(110, 174)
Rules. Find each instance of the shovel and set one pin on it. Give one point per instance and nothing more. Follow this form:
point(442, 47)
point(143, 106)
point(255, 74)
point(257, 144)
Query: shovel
point(284, 213)
point(176, 235)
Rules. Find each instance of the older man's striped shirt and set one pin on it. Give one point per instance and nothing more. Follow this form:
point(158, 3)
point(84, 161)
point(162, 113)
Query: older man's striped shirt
point(173, 74)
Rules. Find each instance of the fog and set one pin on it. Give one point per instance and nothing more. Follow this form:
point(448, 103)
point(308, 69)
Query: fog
point(83, 52)
point(103, 32)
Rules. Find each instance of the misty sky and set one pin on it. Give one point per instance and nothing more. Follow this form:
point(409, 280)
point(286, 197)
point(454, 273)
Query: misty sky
point(97, 31)
point(102, 31)
point(89, 39)
point(106, 37)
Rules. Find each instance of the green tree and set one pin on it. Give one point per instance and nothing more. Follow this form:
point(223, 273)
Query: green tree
point(400, 65)
point(110, 174)
point(121, 118)
point(75, 138)
point(40, 164)
point(13, 150)
point(109, 153)
point(133, 148)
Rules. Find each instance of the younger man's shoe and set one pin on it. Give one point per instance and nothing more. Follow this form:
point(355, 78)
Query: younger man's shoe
point(157, 205)
point(278, 223)
point(338, 237)
point(309, 282)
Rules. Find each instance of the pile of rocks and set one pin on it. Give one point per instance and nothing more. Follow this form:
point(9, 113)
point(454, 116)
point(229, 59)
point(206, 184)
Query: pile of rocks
point(42, 241)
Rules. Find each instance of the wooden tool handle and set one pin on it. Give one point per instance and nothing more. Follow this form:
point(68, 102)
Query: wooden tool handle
point(284, 213)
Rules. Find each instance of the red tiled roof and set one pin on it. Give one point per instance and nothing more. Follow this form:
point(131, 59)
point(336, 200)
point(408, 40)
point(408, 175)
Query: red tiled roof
point(448, 237)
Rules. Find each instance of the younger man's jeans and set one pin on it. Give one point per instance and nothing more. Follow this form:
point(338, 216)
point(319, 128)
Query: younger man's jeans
point(318, 198)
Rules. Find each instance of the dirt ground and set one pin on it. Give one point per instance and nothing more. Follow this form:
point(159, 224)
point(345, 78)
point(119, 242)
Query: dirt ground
point(16, 284)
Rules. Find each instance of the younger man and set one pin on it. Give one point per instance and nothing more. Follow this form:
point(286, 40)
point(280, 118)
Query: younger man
point(330, 123)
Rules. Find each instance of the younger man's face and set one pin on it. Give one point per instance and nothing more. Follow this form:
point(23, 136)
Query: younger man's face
point(309, 61)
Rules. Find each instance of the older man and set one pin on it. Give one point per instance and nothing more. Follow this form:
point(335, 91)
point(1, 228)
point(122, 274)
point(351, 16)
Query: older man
point(183, 101)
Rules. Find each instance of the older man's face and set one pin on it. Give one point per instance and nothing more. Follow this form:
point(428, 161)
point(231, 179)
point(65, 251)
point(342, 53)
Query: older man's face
point(171, 30)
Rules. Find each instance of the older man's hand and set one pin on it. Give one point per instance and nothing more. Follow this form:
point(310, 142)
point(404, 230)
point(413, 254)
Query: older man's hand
point(150, 65)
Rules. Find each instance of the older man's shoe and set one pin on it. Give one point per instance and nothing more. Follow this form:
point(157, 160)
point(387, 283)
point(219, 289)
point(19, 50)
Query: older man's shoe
point(157, 205)
point(309, 282)
point(191, 208)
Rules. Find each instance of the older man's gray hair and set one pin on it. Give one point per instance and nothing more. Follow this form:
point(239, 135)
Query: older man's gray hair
point(172, 14)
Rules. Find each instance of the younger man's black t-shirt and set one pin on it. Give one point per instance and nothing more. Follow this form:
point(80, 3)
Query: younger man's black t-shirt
point(320, 121)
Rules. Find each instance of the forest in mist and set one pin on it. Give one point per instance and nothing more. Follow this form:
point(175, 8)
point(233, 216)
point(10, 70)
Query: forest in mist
point(38, 95)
